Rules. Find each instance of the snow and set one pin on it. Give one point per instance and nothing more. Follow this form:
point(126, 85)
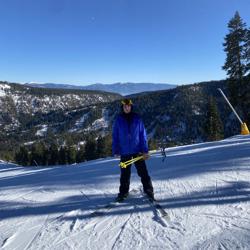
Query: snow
point(42, 131)
point(29, 143)
point(79, 123)
point(204, 187)
point(100, 123)
point(2, 93)
point(3, 87)
point(195, 88)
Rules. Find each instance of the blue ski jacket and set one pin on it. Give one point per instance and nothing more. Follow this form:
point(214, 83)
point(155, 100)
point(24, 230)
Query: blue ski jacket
point(129, 135)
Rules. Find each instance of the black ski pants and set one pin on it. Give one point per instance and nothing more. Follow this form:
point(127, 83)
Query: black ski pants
point(141, 171)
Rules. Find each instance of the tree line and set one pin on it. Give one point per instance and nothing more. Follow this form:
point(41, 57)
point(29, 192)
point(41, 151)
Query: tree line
point(40, 154)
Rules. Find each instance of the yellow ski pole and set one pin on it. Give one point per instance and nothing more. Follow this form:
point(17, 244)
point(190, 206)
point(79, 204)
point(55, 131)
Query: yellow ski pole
point(126, 163)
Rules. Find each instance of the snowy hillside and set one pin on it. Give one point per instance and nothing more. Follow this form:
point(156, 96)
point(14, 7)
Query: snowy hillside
point(204, 187)
point(16, 98)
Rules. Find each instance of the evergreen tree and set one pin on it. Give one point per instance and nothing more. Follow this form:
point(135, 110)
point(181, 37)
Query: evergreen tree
point(100, 147)
point(22, 156)
point(214, 127)
point(53, 154)
point(245, 104)
point(108, 145)
point(80, 156)
point(62, 157)
point(71, 154)
point(90, 149)
point(152, 144)
point(37, 154)
point(247, 52)
point(45, 158)
point(235, 48)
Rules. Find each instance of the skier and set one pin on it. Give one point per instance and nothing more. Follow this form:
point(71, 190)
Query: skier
point(129, 141)
point(163, 152)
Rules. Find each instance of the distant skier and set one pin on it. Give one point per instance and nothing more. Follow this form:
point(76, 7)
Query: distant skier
point(130, 141)
point(163, 152)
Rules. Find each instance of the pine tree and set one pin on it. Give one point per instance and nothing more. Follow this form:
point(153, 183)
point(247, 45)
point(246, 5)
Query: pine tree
point(108, 145)
point(152, 144)
point(100, 150)
point(37, 154)
point(71, 154)
point(90, 149)
point(80, 156)
point(22, 156)
point(247, 52)
point(235, 48)
point(214, 127)
point(62, 157)
point(53, 154)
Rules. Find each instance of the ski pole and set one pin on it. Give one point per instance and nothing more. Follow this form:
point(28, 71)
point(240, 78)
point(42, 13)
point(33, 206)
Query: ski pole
point(126, 163)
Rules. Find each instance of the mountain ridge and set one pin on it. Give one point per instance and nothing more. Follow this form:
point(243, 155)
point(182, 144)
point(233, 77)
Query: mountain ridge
point(124, 89)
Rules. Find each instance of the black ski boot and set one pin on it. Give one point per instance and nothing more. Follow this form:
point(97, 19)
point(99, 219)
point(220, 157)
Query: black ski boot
point(121, 197)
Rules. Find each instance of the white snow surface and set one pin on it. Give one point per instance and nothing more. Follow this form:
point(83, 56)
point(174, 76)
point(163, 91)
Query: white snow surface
point(205, 188)
point(42, 131)
point(2, 93)
point(3, 87)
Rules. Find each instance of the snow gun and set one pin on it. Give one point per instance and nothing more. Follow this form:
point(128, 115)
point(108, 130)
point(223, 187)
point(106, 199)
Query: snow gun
point(244, 128)
point(126, 163)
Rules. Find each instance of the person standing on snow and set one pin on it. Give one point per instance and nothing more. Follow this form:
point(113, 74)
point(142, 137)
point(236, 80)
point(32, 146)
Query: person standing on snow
point(129, 140)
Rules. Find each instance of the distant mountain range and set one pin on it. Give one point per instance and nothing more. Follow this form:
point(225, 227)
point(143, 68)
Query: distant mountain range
point(120, 88)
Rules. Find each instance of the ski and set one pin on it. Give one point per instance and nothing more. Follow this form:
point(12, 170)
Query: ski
point(104, 209)
point(155, 204)
point(159, 208)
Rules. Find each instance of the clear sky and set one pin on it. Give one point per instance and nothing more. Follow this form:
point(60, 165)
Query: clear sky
point(107, 41)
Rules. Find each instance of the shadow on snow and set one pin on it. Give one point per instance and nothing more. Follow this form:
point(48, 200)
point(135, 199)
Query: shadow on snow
point(232, 192)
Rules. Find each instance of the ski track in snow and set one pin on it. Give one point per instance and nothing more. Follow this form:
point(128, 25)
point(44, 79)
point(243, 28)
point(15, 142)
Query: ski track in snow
point(204, 188)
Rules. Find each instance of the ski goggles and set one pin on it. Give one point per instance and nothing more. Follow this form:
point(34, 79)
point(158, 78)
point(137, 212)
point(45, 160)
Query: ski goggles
point(127, 102)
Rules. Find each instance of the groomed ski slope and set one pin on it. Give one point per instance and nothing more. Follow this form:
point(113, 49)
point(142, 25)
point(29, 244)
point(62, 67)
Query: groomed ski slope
point(204, 187)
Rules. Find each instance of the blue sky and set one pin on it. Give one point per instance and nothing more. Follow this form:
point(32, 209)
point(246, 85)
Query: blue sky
point(107, 41)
